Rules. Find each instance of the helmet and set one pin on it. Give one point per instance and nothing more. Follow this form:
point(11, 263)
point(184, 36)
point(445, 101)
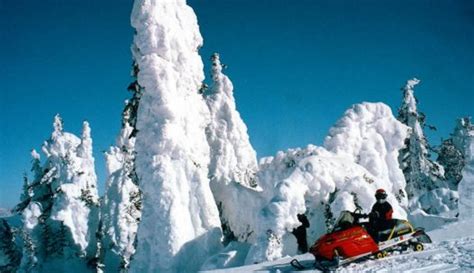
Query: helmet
point(380, 194)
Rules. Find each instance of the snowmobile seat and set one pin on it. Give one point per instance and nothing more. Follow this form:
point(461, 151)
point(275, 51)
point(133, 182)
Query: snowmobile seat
point(395, 228)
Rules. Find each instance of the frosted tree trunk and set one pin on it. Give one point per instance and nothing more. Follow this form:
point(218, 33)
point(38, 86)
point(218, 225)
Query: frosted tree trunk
point(180, 224)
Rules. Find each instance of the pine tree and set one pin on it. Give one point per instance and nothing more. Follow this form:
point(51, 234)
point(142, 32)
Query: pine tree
point(9, 252)
point(61, 215)
point(452, 152)
point(421, 174)
point(233, 163)
point(123, 199)
point(464, 140)
point(452, 160)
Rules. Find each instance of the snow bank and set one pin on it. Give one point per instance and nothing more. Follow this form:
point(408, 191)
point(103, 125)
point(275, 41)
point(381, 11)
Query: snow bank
point(180, 219)
point(420, 218)
point(454, 230)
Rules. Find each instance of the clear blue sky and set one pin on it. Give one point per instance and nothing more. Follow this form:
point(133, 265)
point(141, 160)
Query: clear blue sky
point(296, 67)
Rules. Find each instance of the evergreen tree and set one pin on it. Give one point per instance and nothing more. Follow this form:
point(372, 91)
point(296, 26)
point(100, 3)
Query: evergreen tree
point(421, 174)
point(452, 160)
point(121, 210)
point(233, 163)
point(61, 216)
point(9, 251)
point(452, 152)
point(464, 139)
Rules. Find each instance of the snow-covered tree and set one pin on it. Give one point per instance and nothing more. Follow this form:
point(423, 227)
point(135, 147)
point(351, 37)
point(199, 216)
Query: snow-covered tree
point(10, 253)
point(421, 173)
point(464, 137)
point(180, 224)
point(369, 134)
point(233, 160)
point(61, 219)
point(452, 161)
point(360, 156)
point(121, 208)
point(452, 152)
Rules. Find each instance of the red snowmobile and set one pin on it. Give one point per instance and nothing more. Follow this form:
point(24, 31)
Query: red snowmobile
point(351, 240)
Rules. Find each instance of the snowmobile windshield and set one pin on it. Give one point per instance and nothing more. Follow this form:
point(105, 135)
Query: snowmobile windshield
point(344, 221)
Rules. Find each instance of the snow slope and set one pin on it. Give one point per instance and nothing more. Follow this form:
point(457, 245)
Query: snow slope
point(452, 251)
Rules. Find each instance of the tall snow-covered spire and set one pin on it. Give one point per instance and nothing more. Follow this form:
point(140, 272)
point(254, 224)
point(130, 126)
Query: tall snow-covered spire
point(233, 158)
point(179, 217)
point(233, 165)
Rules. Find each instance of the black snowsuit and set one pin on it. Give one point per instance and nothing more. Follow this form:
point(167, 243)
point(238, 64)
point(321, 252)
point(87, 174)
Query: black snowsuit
point(300, 233)
point(380, 218)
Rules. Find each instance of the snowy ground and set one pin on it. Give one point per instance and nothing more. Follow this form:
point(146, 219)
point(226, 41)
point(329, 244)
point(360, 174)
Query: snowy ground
point(452, 251)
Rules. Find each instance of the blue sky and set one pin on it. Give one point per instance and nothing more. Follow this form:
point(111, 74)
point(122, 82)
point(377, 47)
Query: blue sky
point(296, 67)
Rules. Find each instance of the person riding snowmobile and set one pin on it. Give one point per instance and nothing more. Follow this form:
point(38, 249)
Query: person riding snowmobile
point(380, 218)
